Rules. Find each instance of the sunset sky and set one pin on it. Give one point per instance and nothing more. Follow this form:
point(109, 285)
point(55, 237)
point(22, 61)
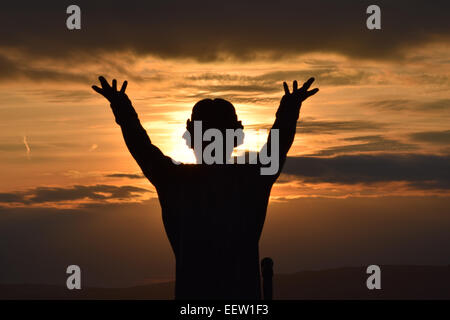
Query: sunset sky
point(367, 179)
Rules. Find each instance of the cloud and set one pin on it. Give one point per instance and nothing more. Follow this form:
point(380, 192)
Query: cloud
point(438, 105)
point(324, 126)
point(329, 75)
point(405, 104)
point(391, 104)
point(40, 195)
point(435, 137)
point(20, 64)
point(11, 197)
point(11, 147)
point(24, 69)
point(237, 98)
point(420, 171)
point(61, 96)
point(370, 144)
point(311, 126)
point(237, 87)
point(126, 175)
point(240, 88)
point(206, 30)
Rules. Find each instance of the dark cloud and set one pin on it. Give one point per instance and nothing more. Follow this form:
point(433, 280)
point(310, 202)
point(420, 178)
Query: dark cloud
point(22, 69)
point(211, 76)
point(369, 144)
point(126, 175)
point(443, 104)
point(328, 75)
point(420, 171)
point(57, 96)
point(25, 67)
point(311, 126)
point(207, 30)
point(11, 197)
point(436, 137)
point(227, 85)
point(236, 87)
point(391, 104)
point(405, 104)
point(78, 192)
point(237, 98)
point(433, 78)
point(12, 147)
point(323, 126)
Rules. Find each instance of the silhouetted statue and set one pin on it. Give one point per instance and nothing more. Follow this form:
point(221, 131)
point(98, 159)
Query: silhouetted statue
point(267, 275)
point(213, 214)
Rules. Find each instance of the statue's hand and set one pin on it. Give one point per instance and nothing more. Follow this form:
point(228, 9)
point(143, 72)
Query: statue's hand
point(291, 102)
point(110, 92)
point(120, 104)
point(298, 95)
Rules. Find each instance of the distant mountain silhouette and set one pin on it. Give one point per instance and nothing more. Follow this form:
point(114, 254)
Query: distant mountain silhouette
point(397, 282)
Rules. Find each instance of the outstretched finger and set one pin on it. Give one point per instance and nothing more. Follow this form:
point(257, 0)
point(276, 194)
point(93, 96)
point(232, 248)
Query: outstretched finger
point(312, 92)
point(286, 88)
point(124, 86)
point(294, 85)
point(104, 83)
point(308, 84)
point(98, 90)
point(114, 85)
